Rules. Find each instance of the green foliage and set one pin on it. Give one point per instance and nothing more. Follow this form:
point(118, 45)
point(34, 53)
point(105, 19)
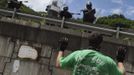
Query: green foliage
point(42, 14)
point(27, 10)
point(114, 19)
point(24, 9)
point(116, 16)
point(78, 20)
point(3, 3)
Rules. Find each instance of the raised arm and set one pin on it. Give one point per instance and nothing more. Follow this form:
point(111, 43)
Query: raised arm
point(63, 43)
point(121, 67)
point(120, 58)
point(60, 54)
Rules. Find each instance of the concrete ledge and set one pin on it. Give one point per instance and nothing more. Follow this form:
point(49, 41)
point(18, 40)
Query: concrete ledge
point(24, 30)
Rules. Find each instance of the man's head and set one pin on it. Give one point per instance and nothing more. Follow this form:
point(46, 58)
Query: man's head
point(95, 40)
point(65, 9)
point(89, 5)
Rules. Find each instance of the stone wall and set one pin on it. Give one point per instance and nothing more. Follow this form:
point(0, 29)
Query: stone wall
point(44, 39)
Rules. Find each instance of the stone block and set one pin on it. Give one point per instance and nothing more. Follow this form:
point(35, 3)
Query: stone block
point(58, 71)
point(2, 64)
point(46, 51)
point(25, 68)
point(28, 52)
point(43, 61)
point(44, 70)
point(6, 47)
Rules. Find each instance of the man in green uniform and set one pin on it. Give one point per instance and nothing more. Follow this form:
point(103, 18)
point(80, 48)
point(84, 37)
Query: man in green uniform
point(91, 61)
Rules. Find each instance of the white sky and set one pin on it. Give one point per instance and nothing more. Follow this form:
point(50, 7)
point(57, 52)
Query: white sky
point(37, 5)
point(40, 5)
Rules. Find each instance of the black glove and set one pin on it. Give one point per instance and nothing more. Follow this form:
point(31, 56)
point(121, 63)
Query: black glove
point(121, 53)
point(63, 43)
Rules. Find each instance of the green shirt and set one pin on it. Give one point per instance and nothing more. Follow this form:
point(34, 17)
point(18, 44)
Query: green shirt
point(89, 62)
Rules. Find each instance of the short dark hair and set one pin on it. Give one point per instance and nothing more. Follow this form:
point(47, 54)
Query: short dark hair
point(95, 40)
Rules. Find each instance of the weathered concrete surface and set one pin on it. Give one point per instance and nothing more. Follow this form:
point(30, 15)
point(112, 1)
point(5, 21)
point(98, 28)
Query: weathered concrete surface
point(44, 39)
point(26, 68)
point(6, 47)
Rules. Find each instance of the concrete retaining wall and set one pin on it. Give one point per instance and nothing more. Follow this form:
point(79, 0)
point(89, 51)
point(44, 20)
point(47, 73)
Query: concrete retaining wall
point(44, 39)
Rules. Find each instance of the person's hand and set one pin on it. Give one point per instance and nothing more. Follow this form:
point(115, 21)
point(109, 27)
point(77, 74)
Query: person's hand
point(63, 43)
point(121, 53)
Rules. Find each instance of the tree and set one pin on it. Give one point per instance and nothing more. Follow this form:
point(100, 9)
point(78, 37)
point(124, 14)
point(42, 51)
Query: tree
point(117, 16)
point(114, 19)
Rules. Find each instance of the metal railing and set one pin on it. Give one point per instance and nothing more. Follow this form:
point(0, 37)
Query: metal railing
point(71, 24)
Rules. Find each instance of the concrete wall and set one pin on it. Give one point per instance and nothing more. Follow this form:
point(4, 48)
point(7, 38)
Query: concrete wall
point(44, 39)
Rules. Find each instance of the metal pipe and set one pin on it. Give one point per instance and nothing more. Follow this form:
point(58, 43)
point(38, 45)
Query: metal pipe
point(63, 21)
point(14, 13)
point(118, 33)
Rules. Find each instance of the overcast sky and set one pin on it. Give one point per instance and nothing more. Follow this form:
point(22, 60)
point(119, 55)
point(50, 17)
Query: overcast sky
point(37, 5)
point(103, 7)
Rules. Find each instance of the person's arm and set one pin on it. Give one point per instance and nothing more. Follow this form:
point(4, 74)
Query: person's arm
point(116, 69)
point(120, 58)
point(63, 43)
point(60, 54)
point(121, 67)
point(67, 62)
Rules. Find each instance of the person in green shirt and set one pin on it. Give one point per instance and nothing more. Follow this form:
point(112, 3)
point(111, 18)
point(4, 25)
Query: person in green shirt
point(91, 61)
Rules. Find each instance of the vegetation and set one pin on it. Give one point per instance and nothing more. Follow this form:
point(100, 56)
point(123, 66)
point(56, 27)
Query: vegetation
point(24, 9)
point(27, 10)
point(3, 3)
point(113, 20)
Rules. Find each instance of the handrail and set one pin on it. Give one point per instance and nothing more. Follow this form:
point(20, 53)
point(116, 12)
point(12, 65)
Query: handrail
point(70, 24)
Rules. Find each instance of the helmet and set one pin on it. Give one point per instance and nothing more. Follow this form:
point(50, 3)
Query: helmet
point(89, 5)
point(65, 8)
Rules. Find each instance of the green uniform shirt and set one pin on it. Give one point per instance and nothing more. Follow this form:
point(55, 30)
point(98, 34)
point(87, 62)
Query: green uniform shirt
point(89, 62)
